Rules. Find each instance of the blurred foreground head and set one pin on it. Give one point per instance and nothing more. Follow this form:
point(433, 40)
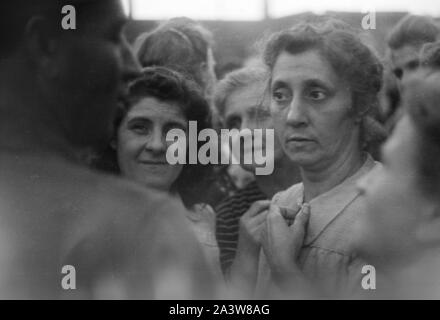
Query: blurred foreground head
point(59, 88)
point(69, 81)
point(402, 226)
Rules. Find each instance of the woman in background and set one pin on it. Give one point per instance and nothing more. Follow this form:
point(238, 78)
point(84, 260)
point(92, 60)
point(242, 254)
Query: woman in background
point(243, 102)
point(181, 44)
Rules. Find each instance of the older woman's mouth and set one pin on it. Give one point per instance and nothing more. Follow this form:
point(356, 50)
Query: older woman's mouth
point(298, 139)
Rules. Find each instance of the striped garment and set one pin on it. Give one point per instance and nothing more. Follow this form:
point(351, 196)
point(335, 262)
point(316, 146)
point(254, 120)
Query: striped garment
point(229, 212)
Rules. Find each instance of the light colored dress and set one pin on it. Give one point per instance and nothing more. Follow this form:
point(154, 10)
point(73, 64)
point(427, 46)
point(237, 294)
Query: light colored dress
point(326, 259)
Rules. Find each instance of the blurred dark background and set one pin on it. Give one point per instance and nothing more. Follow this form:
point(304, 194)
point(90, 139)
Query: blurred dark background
point(234, 40)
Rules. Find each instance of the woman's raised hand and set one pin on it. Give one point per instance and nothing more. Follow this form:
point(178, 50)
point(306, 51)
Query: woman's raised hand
point(252, 224)
point(281, 240)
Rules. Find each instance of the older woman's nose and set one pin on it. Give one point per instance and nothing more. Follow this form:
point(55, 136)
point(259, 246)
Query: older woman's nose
point(296, 115)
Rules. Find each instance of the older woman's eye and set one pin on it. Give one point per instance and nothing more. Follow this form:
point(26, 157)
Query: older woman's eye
point(317, 95)
point(281, 95)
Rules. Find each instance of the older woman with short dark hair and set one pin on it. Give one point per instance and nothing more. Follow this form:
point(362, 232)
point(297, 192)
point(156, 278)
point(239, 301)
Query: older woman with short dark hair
point(324, 83)
point(159, 101)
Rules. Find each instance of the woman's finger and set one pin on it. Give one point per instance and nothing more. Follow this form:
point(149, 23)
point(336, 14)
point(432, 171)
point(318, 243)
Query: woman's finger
point(260, 217)
point(275, 219)
point(291, 211)
point(257, 207)
point(299, 226)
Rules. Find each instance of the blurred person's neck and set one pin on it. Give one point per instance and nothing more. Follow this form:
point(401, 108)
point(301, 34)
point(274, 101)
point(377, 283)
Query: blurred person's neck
point(321, 179)
point(26, 124)
point(284, 175)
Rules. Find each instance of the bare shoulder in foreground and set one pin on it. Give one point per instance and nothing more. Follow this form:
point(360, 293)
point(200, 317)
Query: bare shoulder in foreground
point(123, 241)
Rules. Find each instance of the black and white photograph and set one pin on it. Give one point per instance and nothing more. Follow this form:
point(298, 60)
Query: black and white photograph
point(235, 152)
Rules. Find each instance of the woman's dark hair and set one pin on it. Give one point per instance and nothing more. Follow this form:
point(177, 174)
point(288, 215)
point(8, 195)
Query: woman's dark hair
point(350, 58)
point(421, 96)
point(170, 86)
point(179, 43)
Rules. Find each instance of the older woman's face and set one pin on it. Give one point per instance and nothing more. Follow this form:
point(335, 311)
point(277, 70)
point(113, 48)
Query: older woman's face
point(248, 108)
point(311, 107)
point(395, 204)
point(142, 145)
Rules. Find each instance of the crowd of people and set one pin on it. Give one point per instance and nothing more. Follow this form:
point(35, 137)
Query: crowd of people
point(85, 181)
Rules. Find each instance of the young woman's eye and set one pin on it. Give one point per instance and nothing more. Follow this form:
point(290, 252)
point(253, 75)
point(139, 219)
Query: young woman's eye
point(281, 95)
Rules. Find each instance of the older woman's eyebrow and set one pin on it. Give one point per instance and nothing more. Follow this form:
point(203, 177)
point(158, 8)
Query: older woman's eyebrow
point(318, 83)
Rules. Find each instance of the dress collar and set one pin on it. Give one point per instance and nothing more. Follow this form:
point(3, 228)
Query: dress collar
point(327, 206)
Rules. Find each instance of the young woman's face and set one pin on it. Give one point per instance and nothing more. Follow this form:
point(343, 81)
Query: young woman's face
point(142, 145)
point(395, 204)
point(312, 110)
